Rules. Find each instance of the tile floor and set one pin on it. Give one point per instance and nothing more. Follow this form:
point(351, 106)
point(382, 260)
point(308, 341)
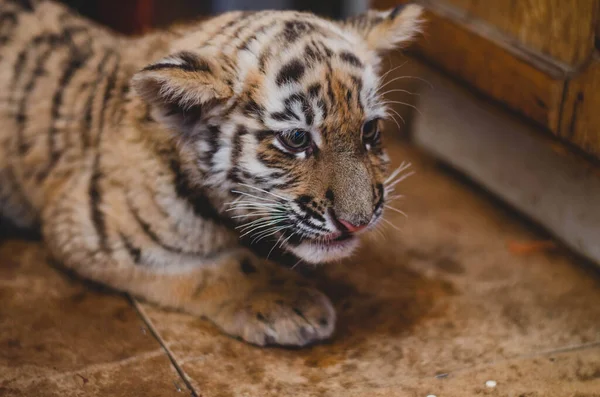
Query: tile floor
point(440, 307)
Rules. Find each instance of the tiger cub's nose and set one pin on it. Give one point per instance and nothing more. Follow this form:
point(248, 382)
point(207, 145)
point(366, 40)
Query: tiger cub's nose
point(352, 228)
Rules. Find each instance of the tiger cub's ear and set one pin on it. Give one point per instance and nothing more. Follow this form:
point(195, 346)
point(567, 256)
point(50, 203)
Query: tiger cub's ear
point(182, 87)
point(386, 30)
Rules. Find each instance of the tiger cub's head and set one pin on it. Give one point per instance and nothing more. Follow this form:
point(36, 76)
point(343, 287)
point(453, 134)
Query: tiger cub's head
point(282, 111)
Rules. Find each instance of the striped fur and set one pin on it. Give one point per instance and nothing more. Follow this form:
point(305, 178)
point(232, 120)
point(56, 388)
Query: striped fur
point(158, 165)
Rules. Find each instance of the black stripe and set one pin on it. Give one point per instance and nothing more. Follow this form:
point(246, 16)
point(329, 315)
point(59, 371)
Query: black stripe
point(309, 115)
point(95, 195)
point(380, 195)
point(396, 11)
point(191, 63)
point(262, 60)
point(323, 106)
point(304, 105)
point(74, 65)
point(110, 85)
point(330, 92)
point(291, 72)
point(124, 99)
point(314, 90)
point(195, 197)
point(254, 109)
point(307, 222)
point(327, 50)
point(21, 115)
point(303, 204)
point(329, 195)
point(17, 69)
point(275, 162)
point(147, 229)
point(8, 22)
point(246, 43)
point(134, 252)
point(287, 115)
point(95, 190)
point(212, 138)
point(219, 32)
point(89, 106)
point(236, 151)
point(359, 85)
point(289, 184)
point(264, 134)
point(295, 29)
point(312, 52)
point(351, 59)
point(248, 19)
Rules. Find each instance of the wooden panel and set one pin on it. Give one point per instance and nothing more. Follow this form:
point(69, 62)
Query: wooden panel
point(525, 84)
point(598, 30)
point(559, 28)
point(581, 115)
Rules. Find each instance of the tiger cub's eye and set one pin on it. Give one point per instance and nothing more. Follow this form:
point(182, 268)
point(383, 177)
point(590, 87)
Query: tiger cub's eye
point(370, 132)
point(295, 141)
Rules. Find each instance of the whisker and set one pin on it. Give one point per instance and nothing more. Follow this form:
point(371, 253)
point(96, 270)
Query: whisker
point(379, 232)
point(392, 225)
point(287, 239)
point(395, 121)
point(244, 202)
point(404, 166)
point(400, 179)
point(261, 205)
point(397, 114)
point(391, 70)
point(400, 90)
point(264, 219)
point(274, 245)
point(404, 103)
point(408, 77)
point(257, 213)
point(256, 229)
point(396, 210)
point(268, 233)
point(265, 191)
point(394, 197)
point(254, 196)
point(256, 207)
point(297, 263)
point(261, 222)
point(258, 224)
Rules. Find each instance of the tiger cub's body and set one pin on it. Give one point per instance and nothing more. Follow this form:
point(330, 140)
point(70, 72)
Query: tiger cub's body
point(141, 157)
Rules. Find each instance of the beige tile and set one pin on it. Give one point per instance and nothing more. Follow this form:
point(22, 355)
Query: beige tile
point(571, 374)
point(147, 375)
point(442, 295)
point(53, 327)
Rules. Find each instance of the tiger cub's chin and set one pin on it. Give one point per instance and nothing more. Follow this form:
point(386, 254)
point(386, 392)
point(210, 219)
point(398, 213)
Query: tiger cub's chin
point(317, 252)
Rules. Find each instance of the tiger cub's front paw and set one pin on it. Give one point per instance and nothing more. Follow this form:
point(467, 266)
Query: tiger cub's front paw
point(296, 317)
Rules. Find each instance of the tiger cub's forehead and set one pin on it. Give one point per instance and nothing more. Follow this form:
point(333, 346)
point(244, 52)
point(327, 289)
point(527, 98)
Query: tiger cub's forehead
point(309, 73)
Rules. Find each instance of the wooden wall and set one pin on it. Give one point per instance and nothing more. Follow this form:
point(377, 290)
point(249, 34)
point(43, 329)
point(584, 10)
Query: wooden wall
point(562, 29)
point(537, 57)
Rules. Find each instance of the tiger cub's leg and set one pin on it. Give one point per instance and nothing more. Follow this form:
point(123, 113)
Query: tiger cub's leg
point(245, 296)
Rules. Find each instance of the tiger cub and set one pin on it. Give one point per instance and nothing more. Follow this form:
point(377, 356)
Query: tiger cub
point(156, 164)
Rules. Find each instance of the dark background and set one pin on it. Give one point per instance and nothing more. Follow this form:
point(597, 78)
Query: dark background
point(139, 16)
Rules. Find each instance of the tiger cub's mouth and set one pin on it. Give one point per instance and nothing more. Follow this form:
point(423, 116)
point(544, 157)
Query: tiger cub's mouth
point(322, 249)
